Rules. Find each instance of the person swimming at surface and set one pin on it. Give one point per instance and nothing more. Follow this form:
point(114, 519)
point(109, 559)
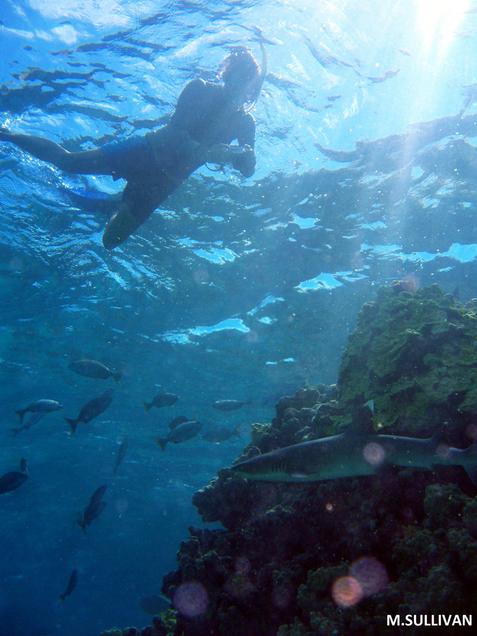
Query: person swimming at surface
point(207, 118)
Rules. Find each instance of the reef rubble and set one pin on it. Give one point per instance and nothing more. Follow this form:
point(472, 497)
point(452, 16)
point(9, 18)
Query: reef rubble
point(338, 557)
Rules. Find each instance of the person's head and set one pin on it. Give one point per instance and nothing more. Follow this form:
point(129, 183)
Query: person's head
point(241, 75)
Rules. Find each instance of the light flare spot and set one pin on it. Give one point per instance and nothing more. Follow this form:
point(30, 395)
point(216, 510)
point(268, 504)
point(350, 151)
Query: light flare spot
point(374, 453)
point(329, 507)
point(346, 591)
point(191, 599)
point(370, 574)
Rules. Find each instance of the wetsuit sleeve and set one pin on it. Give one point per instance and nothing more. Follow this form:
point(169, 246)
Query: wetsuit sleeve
point(246, 137)
point(246, 131)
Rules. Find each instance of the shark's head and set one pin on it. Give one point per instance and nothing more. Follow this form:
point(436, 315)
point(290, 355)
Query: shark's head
point(274, 466)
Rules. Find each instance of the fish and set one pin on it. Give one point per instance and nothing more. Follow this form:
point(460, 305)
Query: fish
point(216, 434)
point(40, 406)
point(91, 409)
point(160, 400)
point(94, 508)
point(72, 582)
point(181, 433)
point(121, 454)
point(14, 479)
point(352, 455)
point(94, 369)
point(155, 604)
point(180, 419)
point(34, 419)
point(228, 405)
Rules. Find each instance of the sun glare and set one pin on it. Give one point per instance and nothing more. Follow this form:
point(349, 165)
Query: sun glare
point(437, 22)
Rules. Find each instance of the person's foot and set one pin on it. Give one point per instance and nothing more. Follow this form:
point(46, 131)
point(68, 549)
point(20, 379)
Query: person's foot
point(120, 226)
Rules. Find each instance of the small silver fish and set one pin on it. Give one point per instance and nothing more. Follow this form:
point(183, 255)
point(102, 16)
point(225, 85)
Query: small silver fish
point(228, 405)
point(160, 400)
point(94, 369)
point(181, 433)
point(40, 406)
point(217, 434)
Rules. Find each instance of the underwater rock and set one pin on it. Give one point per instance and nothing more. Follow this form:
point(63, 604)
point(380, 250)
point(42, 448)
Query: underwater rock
point(336, 557)
point(414, 355)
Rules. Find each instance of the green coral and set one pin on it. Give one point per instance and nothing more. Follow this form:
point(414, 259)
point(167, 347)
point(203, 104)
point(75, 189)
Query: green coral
point(411, 353)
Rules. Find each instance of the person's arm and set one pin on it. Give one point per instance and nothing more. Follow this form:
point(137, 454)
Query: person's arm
point(84, 162)
point(245, 161)
point(242, 157)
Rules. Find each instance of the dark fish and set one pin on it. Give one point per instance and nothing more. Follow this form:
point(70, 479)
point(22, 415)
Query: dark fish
point(180, 419)
point(228, 405)
point(94, 369)
point(161, 399)
point(92, 409)
point(40, 406)
point(14, 479)
point(181, 433)
point(154, 605)
point(73, 580)
point(216, 434)
point(34, 419)
point(94, 508)
point(121, 454)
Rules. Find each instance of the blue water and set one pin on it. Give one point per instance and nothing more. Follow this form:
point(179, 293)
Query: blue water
point(237, 288)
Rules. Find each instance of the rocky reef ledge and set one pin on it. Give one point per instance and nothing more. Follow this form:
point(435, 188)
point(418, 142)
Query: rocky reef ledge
point(336, 557)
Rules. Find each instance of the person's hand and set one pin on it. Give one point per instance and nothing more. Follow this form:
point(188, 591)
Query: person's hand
point(245, 160)
point(219, 153)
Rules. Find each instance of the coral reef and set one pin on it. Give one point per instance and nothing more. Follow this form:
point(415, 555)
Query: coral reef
point(336, 557)
point(414, 355)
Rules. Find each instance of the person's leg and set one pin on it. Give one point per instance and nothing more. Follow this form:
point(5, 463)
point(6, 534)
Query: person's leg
point(85, 162)
point(140, 199)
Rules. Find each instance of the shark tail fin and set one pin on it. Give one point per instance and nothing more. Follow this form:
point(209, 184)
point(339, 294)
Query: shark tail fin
point(117, 376)
point(73, 424)
point(21, 414)
point(162, 441)
point(469, 462)
point(147, 406)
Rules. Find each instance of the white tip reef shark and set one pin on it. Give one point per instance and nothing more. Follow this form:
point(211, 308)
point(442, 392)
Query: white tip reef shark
point(353, 454)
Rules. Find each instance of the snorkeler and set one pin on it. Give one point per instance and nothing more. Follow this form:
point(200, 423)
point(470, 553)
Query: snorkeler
point(207, 118)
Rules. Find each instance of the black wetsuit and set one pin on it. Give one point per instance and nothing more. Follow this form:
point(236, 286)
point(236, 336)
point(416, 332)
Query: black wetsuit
point(154, 165)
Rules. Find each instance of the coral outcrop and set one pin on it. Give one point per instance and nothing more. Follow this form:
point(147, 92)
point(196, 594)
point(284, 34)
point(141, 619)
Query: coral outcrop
point(337, 557)
point(414, 354)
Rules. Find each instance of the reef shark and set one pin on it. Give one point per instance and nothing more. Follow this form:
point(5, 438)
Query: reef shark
point(352, 455)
